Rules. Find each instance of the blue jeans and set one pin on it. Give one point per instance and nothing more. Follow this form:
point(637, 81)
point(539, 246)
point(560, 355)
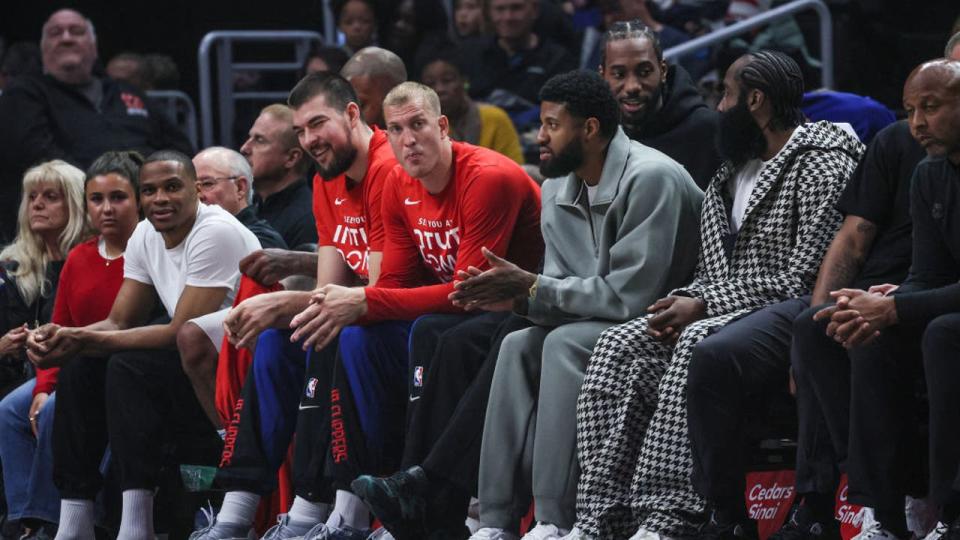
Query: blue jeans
point(27, 460)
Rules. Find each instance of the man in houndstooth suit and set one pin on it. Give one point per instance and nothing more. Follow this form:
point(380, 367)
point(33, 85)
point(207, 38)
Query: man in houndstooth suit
point(768, 217)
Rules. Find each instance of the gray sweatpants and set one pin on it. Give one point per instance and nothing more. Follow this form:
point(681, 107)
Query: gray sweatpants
point(529, 437)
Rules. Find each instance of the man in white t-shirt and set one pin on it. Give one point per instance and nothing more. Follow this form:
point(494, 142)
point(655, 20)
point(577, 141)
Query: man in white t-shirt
point(122, 376)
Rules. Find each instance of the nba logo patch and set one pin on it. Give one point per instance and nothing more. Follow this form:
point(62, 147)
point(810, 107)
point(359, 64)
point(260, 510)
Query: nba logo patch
point(418, 376)
point(312, 387)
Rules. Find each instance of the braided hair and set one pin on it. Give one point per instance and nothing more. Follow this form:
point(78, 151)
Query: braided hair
point(629, 30)
point(779, 77)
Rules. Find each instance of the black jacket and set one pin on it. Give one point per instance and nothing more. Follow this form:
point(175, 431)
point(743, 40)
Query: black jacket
point(44, 119)
point(266, 234)
point(684, 128)
point(487, 67)
point(15, 312)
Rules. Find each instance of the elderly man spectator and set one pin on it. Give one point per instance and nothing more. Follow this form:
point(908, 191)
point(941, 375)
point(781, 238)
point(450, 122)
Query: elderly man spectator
point(373, 72)
point(223, 179)
point(71, 114)
point(281, 193)
point(515, 59)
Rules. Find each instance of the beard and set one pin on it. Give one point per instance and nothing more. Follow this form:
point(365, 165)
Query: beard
point(739, 138)
point(564, 162)
point(343, 158)
point(633, 122)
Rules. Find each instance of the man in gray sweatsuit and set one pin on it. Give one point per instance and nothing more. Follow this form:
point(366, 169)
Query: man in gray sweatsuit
point(620, 223)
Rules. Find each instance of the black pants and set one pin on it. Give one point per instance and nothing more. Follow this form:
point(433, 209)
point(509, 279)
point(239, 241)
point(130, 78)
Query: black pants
point(941, 361)
point(730, 371)
point(286, 390)
point(886, 450)
point(321, 441)
point(821, 370)
point(141, 401)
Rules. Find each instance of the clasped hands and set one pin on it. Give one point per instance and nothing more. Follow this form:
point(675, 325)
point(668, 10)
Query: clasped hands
point(503, 287)
point(858, 316)
point(331, 308)
point(51, 344)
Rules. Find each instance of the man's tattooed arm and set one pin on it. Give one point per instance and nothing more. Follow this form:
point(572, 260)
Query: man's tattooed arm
point(844, 258)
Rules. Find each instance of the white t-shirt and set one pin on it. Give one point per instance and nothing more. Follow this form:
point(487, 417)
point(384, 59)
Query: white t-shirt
point(208, 257)
point(743, 183)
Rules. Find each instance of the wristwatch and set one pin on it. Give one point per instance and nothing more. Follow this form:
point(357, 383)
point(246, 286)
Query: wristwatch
point(532, 293)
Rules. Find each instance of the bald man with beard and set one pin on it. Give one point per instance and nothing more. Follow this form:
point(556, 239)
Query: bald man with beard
point(896, 335)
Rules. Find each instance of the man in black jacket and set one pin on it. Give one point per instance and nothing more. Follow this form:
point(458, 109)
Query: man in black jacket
point(515, 60)
point(659, 106)
point(72, 114)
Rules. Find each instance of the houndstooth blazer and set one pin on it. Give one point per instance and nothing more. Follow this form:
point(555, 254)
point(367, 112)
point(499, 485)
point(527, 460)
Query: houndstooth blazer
point(790, 221)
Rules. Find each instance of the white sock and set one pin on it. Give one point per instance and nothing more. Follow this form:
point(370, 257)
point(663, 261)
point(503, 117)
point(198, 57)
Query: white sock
point(304, 511)
point(239, 507)
point(136, 522)
point(349, 510)
point(76, 520)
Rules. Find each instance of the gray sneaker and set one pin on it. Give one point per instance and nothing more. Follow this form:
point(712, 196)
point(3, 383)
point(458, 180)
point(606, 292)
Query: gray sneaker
point(287, 528)
point(218, 530)
point(324, 532)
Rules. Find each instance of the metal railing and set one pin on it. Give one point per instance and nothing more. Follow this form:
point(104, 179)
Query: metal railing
point(780, 12)
point(181, 110)
point(221, 43)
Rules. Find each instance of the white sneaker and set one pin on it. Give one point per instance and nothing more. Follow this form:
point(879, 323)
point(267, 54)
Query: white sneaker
point(643, 534)
point(493, 533)
point(937, 532)
point(380, 534)
point(544, 531)
point(873, 530)
point(577, 534)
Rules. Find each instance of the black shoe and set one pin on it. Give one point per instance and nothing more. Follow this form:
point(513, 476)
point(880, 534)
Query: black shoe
point(398, 501)
point(802, 525)
point(458, 533)
point(716, 528)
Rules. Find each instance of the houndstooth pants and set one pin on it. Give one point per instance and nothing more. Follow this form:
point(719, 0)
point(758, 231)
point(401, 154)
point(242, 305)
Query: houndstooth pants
point(632, 438)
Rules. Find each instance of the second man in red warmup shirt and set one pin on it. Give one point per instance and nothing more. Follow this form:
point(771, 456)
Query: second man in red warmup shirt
point(444, 203)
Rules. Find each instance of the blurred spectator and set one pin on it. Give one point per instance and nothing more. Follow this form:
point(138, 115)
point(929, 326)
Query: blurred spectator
point(164, 74)
point(864, 114)
point(659, 105)
point(129, 67)
point(516, 61)
point(70, 113)
point(21, 58)
point(470, 18)
point(952, 50)
point(373, 72)
point(224, 178)
point(556, 24)
point(476, 123)
point(281, 193)
point(357, 21)
point(418, 29)
point(324, 59)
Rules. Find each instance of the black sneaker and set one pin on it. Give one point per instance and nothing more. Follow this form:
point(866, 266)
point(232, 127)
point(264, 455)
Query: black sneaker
point(801, 525)
point(398, 501)
point(717, 529)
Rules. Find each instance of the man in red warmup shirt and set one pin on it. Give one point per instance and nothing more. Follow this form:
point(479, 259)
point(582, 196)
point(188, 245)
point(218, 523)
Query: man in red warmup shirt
point(353, 161)
point(447, 202)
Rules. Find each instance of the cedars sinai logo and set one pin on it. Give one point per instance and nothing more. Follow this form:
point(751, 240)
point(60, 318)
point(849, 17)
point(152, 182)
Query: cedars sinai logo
point(848, 513)
point(764, 501)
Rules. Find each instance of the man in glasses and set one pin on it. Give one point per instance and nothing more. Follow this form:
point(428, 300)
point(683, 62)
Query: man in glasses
point(224, 178)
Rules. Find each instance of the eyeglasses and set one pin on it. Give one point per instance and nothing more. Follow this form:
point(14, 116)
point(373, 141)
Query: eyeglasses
point(208, 183)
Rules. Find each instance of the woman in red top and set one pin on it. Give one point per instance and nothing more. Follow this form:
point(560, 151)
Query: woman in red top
point(89, 282)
